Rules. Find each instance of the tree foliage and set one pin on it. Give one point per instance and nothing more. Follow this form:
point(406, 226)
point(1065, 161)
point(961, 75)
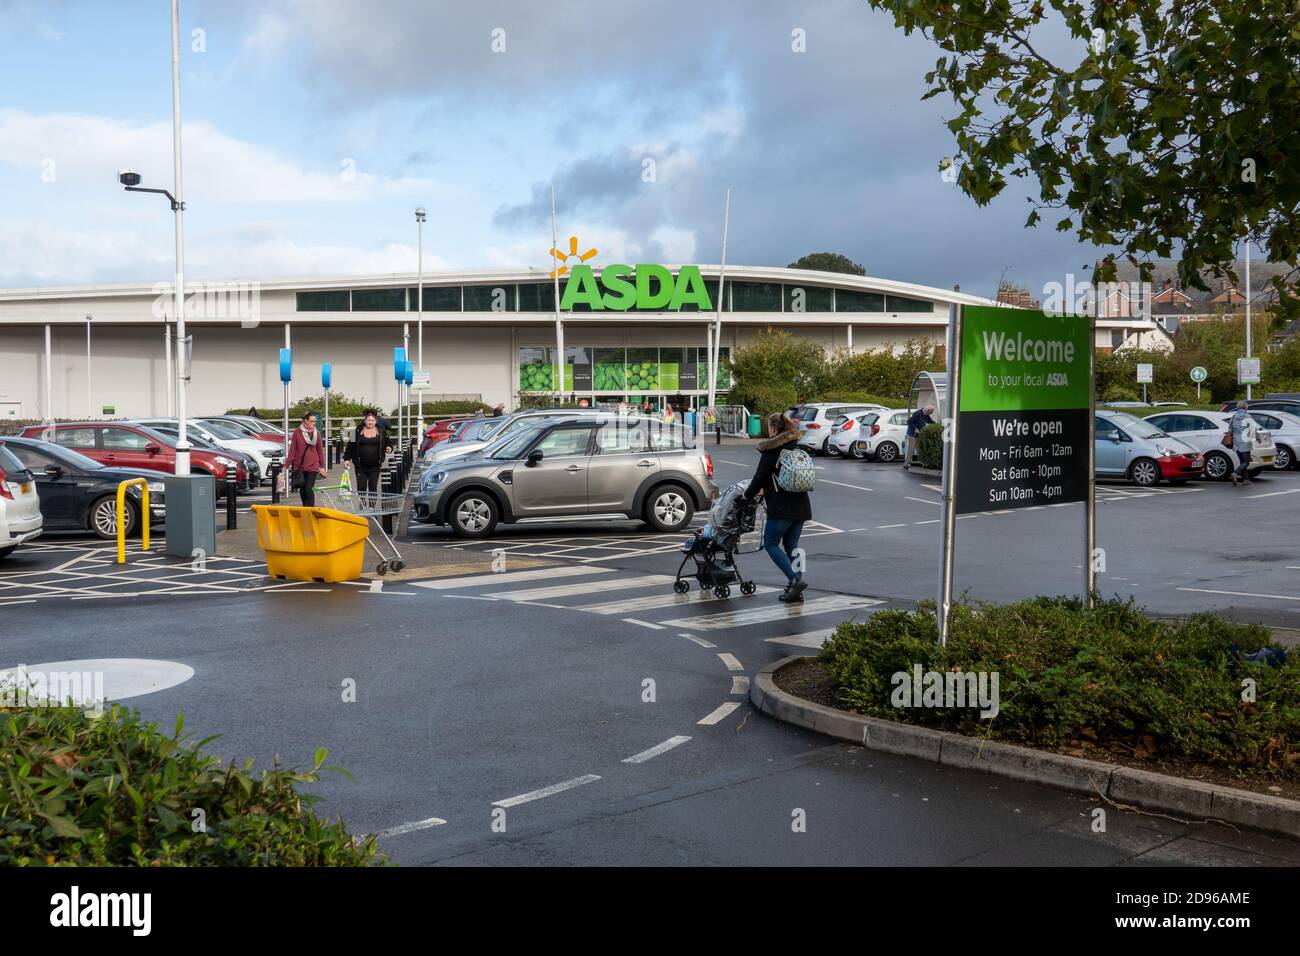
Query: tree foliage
point(828, 262)
point(1170, 127)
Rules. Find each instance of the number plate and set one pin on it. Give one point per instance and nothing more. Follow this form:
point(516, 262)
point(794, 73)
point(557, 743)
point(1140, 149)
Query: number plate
point(25, 488)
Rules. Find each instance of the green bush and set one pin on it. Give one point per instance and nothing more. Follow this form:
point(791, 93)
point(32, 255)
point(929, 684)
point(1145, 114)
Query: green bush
point(113, 791)
point(775, 363)
point(929, 446)
point(1119, 393)
point(863, 398)
point(1066, 673)
point(884, 371)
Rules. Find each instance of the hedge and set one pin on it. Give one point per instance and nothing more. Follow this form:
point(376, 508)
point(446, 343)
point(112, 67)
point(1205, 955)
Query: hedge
point(1104, 677)
point(929, 446)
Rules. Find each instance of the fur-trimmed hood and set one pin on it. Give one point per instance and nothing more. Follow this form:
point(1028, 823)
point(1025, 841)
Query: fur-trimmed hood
point(776, 441)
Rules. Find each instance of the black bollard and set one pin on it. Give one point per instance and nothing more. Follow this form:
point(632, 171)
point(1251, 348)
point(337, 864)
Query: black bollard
point(274, 472)
point(232, 502)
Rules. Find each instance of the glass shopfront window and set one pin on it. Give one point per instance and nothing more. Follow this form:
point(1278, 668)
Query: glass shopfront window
point(643, 370)
point(537, 297)
point(608, 370)
point(325, 301)
point(490, 298)
point(898, 303)
point(807, 298)
point(536, 369)
point(439, 298)
point(378, 300)
point(755, 296)
point(847, 300)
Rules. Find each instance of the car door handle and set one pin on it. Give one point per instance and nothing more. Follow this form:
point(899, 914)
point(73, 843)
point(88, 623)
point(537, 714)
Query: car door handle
point(573, 468)
point(645, 463)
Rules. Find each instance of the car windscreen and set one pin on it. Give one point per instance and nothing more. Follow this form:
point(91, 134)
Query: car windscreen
point(804, 413)
point(1137, 427)
point(64, 456)
point(224, 432)
point(239, 428)
point(10, 464)
point(512, 447)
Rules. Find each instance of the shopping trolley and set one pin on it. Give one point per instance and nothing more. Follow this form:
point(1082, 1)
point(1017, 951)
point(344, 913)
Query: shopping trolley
point(373, 506)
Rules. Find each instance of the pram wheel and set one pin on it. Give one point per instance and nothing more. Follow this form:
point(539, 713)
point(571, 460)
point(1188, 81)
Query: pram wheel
point(681, 587)
point(705, 585)
point(381, 568)
point(748, 587)
point(722, 591)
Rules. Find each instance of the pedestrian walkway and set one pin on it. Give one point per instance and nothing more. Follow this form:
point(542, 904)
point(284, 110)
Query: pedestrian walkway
point(607, 593)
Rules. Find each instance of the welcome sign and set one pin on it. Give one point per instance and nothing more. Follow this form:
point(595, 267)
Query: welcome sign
point(1024, 401)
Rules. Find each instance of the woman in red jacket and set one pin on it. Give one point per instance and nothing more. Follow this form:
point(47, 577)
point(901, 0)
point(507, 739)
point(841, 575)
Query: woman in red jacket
point(307, 458)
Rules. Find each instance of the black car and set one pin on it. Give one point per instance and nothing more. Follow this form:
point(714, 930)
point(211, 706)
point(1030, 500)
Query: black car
point(78, 493)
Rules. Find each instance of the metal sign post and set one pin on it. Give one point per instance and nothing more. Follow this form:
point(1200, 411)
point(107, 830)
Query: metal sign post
point(326, 373)
point(286, 376)
point(1090, 502)
point(948, 526)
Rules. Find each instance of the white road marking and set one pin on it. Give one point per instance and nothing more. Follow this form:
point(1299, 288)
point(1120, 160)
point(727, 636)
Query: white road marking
point(657, 601)
point(924, 501)
point(713, 622)
point(1275, 597)
point(740, 463)
point(657, 749)
point(931, 521)
point(813, 639)
point(698, 640)
point(827, 481)
point(584, 587)
point(410, 827)
point(653, 627)
point(468, 597)
point(546, 791)
point(740, 685)
point(731, 663)
point(1274, 494)
point(509, 577)
point(882, 527)
point(376, 586)
point(938, 488)
point(12, 603)
point(719, 714)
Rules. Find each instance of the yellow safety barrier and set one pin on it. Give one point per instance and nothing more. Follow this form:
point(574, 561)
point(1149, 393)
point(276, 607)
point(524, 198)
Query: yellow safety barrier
point(121, 516)
point(311, 544)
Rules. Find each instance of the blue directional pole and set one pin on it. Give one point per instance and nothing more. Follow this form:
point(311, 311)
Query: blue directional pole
point(326, 373)
point(399, 376)
point(286, 376)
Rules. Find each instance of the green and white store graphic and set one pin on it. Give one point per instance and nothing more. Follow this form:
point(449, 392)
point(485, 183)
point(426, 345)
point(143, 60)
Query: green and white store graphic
point(1024, 401)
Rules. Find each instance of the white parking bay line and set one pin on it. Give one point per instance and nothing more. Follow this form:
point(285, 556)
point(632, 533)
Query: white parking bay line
point(697, 640)
point(584, 587)
point(823, 605)
point(657, 749)
point(1274, 494)
point(827, 481)
point(813, 639)
point(1275, 597)
point(650, 602)
point(546, 791)
point(731, 663)
point(924, 501)
point(653, 627)
point(411, 827)
point(509, 577)
point(719, 714)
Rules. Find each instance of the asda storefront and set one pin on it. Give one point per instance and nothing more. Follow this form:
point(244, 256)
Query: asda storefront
point(623, 373)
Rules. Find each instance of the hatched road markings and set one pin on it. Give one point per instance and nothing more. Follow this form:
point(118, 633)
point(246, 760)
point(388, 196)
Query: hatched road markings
point(720, 714)
point(510, 577)
point(713, 622)
point(584, 587)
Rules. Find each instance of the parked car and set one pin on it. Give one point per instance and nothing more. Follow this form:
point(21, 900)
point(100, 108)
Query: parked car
point(257, 427)
point(885, 438)
point(816, 418)
point(121, 444)
point(1285, 429)
point(1289, 405)
point(20, 505)
point(1204, 431)
point(478, 432)
point(1130, 447)
point(264, 453)
point(440, 431)
point(572, 467)
point(79, 494)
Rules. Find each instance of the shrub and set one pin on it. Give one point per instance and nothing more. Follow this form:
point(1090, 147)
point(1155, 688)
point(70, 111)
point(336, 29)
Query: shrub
point(865, 398)
point(929, 446)
point(775, 363)
point(113, 791)
point(884, 371)
point(1119, 393)
point(1110, 674)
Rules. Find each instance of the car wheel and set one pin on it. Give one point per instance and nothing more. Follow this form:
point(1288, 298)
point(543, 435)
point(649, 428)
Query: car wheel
point(826, 444)
point(886, 451)
point(668, 508)
point(5, 552)
point(473, 515)
point(1217, 466)
point(1285, 458)
point(1144, 472)
point(859, 450)
point(103, 517)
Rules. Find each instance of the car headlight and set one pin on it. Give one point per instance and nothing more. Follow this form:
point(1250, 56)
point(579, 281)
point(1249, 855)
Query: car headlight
point(228, 462)
point(435, 478)
point(156, 487)
point(1167, 452)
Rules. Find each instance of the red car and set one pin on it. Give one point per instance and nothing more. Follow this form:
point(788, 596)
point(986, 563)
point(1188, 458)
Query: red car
point(440, 431)
point(123, 445)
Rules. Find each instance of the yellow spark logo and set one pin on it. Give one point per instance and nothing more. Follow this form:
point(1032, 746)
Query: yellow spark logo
point(571, 254)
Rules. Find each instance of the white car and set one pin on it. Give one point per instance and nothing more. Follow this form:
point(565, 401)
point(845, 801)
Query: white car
point(20, 505)
point(886, 438)
point(1285, 429)
point(816, 419)
point(488, 430)
point(262, 452)
point(1203, 431)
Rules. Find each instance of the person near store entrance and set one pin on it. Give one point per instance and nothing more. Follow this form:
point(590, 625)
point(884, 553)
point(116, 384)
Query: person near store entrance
point(920, 418)
point(499, 410)
point(369, 446)
point(786, 510)
point(306, 459)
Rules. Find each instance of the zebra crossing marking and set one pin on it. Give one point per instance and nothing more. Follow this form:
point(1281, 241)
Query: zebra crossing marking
point(822, 605)
point(509, 577)
point(583, 587)
point(655, 601)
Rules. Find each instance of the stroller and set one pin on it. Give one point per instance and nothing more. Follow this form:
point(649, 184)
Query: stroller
point(714, 547)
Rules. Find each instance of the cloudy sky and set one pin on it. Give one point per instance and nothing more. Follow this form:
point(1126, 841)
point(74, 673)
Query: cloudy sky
point(313, 128)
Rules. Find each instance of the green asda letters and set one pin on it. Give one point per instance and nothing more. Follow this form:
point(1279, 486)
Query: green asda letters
point(687, 288)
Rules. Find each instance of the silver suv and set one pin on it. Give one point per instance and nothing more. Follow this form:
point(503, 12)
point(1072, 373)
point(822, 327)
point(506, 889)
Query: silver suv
point(593, 467)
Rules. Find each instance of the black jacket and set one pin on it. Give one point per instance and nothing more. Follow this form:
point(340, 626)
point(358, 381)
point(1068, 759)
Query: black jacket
point(385, 444)
point(918, 421)
point(780, 503)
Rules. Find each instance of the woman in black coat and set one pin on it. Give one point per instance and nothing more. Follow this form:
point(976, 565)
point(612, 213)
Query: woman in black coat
point(367, 450)
point(786, 510)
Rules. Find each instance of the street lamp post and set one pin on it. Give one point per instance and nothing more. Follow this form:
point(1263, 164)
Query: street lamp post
point(90, 399)
point(419, 322)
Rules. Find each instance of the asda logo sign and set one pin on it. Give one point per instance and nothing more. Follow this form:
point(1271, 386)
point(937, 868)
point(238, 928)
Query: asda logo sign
point(644, 286)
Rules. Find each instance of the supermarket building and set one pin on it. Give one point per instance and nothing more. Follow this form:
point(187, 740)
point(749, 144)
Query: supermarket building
point(487, 335)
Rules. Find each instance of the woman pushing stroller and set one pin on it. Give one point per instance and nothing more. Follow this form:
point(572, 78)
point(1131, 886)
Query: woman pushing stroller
point(784, 477)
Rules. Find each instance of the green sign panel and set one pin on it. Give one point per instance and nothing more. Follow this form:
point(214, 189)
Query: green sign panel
point(1023, 409)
